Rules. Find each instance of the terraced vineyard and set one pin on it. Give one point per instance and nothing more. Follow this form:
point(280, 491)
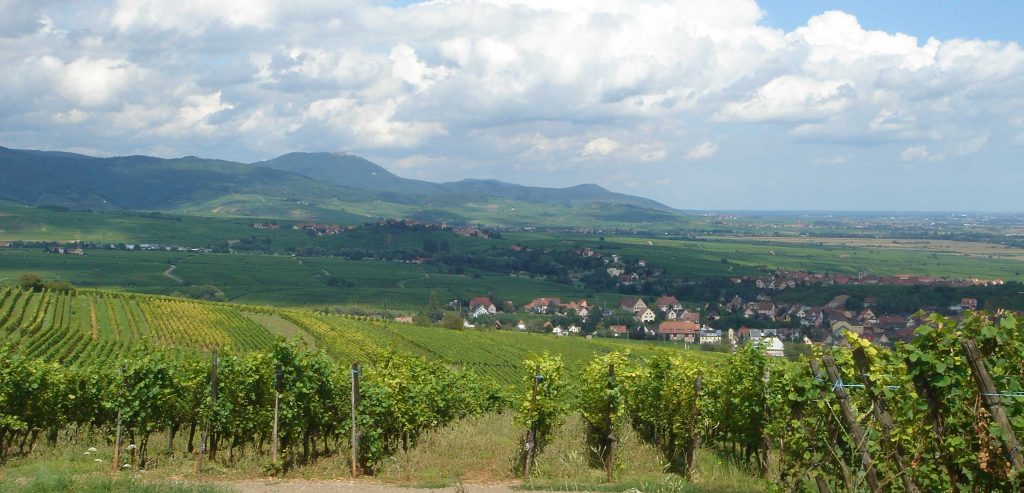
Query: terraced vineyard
point(99, 326)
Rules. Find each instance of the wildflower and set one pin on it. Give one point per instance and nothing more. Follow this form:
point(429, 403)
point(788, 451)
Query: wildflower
point(131, 446)
point(98, 460)
point(92, 449)
point(126, 466)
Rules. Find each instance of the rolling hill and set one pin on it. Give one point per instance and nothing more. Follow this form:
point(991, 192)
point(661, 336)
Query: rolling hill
point(356, 172)
point(308, 186)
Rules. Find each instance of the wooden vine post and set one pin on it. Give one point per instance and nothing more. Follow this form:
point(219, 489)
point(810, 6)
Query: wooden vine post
point(990, 397)
point(213, 403)
point(354, 435)
point(531, 436)
point(881, 412)
point(860, 440)
point(766, 443)
point(613, 438)
point(823, 394)
point(274, 439)
point(116, 463)
point(691, 450)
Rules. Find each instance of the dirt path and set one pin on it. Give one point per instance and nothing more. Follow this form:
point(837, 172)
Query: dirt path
point(349, 486)
point(168, 272)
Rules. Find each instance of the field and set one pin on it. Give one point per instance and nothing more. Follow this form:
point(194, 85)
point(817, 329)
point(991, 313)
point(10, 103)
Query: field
point(967, 248)
point(710, 258)
point(275, 279)
point(103, 326)
point(282, 280)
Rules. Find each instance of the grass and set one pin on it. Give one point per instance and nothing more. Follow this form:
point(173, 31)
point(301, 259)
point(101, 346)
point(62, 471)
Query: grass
point(67, 469)
point(477, 450)
point(483, 450)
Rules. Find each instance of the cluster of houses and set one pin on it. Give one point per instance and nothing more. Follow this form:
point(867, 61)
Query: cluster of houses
point(883, 329)
point(676, 322)
point(551, 306)
point(666, 318)
point(316, 229)
point(670, 308)
point(64, 250)
point(783, 279)
point(835, 317)
point(80, 248)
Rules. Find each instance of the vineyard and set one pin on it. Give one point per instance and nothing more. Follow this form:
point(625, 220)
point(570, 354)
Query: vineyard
point(95, 327)
point(942, 413)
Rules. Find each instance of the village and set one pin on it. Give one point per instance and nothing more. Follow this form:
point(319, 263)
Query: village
point(666, 318)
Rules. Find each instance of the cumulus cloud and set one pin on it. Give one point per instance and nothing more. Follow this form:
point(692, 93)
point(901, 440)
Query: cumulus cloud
point(601, 146)
point(536, 86)
point(920, 153)
point(792, 98)
point(703, 150)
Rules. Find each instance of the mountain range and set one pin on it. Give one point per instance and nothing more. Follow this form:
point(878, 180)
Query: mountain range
point(294, 185)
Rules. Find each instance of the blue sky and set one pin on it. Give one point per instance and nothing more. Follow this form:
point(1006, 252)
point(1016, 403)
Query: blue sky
point(944, 19)
point(701, 104)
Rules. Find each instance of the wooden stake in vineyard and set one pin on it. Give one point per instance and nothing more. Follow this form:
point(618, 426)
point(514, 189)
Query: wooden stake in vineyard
point(613, 438)
point(274, 440)
point(691, 450)
point(531, 436)
point(881, 412)
point(860, 440)
point(213, 404)
point(823, 394)
point(117, 437)
point(356, 370)
point(990, 397)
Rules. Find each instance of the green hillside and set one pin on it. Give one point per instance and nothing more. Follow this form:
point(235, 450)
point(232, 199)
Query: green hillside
point(140, 182)
point(315, 187)
point(350, 171)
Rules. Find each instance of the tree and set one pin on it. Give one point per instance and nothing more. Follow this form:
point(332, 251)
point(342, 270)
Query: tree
point(430, 245)
point(451, 320)
point(31, 282)
point(60, 286)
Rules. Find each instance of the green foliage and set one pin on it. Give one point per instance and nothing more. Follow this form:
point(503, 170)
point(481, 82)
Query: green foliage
point(150, 392)
point(666, 408)
point(544, 404)
point(402, 397)
point(452, 321)
point(601, 399)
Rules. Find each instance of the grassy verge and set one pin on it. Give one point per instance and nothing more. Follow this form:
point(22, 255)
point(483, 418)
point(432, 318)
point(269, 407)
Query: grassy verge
point(58, 475)
point(483, 450)
point(477, 450)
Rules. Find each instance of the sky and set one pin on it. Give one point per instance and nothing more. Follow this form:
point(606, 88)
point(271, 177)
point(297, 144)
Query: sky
point(700, 104)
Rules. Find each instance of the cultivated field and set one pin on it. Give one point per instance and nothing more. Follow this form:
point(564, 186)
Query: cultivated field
point(276, 279)
point(968, 248)
point(98, 327)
